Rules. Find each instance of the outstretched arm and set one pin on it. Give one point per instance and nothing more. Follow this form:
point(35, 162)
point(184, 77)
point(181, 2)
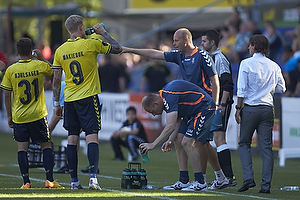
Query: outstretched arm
point(149, 53)
point(115, 46)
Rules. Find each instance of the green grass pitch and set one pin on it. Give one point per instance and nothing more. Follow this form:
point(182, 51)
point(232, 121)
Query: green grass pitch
point(161, 170)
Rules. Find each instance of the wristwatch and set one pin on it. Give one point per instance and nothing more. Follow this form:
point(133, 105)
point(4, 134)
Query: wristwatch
point(223, 104)
point(238, 107)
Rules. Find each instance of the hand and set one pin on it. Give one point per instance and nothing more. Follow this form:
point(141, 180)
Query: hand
point(238, 116)
point(167, 146)
point(223, 110)
point(125, 50)
point(39, 54)
point(10, 122)
point(99, 29)
point(145, 147)
point(58, 112)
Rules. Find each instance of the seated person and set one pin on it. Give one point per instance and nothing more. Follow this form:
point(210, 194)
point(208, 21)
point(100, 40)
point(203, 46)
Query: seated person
point(130, 135)
point(293, 86)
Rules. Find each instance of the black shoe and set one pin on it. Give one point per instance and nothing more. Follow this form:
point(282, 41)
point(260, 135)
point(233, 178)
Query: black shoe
point(87, 170)
point(63, 170)
point(246, 185)
point(264, 191)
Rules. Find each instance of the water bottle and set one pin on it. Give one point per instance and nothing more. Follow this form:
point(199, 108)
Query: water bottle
point(145, 157)
point(143, 178)
point(126, 179)
point(151, 187)
point(90, 31)
point(290, 188)
point(135, 179)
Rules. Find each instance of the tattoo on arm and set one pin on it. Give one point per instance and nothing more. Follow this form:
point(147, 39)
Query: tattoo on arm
point(57, 84)
point(115, 46)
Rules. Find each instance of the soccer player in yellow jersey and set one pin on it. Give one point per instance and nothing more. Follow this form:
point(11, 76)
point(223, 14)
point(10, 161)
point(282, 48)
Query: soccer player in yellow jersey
point(26, 113)
point(77, 57)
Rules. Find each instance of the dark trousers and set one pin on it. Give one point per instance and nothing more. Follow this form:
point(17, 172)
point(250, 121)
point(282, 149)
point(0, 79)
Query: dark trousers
point(261, 119)
point(131, 142)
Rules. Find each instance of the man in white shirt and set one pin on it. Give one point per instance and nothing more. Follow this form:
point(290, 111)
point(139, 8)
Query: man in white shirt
point(259, 78)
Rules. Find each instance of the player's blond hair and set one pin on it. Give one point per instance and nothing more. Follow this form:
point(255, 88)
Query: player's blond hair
point(73, 22)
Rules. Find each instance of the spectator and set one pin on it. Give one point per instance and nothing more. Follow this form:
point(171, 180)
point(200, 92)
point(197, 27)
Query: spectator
point(286, 56)
point(228, 36)
point(259, 78)
point(293, 88)
point(3, 62)
point(130, 135)
point(290, 67)
point(224, 37)
point(155, 76)
point(109, 75)
point(275, 40)
point(234, 19)
point(124, 76)
point(136, 72)
point(239, 50)
point(252, 26)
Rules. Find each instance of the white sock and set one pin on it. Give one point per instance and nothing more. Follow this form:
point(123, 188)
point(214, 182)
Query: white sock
point(94, 180)
point(222, 147)
point(204, 177)
point(219, 175)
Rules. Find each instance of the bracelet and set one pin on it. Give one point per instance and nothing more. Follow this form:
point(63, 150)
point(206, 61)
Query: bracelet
point(56, 103)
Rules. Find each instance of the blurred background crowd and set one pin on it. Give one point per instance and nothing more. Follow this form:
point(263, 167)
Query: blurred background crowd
point(151, 24)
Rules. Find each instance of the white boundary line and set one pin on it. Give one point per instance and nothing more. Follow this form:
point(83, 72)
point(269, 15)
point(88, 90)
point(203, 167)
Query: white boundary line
point(138, 194)
point(109, 190)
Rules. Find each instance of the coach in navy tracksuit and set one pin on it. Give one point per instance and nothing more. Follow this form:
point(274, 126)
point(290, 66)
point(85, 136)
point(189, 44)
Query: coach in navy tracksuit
point(184, 100)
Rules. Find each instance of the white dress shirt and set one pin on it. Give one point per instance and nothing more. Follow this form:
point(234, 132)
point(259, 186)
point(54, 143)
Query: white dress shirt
point(259, 78)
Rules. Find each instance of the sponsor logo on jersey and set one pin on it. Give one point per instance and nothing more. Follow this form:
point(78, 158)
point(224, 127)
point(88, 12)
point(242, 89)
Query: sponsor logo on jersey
point(166, 105)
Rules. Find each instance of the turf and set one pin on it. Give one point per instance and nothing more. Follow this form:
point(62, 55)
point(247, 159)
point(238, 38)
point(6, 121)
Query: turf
point(161, 170)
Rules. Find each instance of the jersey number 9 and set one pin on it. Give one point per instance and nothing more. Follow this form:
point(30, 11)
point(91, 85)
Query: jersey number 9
point(76, 71)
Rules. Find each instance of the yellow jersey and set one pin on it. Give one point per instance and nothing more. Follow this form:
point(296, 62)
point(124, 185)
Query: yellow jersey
point(26, 81)
point(78, 58)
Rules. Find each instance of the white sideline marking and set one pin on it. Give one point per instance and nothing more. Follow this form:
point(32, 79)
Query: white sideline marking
point(240, 195)
point(109, 190)
point(155, 197)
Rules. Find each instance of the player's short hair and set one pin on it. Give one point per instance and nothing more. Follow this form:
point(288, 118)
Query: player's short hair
point(260, 43)
point(24, 46)
point(148, 100)
point(185, 33)
point(73, 22)
point(131, 108)
point(212, 35)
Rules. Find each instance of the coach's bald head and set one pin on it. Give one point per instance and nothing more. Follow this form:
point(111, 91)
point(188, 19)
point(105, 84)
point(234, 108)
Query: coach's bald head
point(153, 104)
